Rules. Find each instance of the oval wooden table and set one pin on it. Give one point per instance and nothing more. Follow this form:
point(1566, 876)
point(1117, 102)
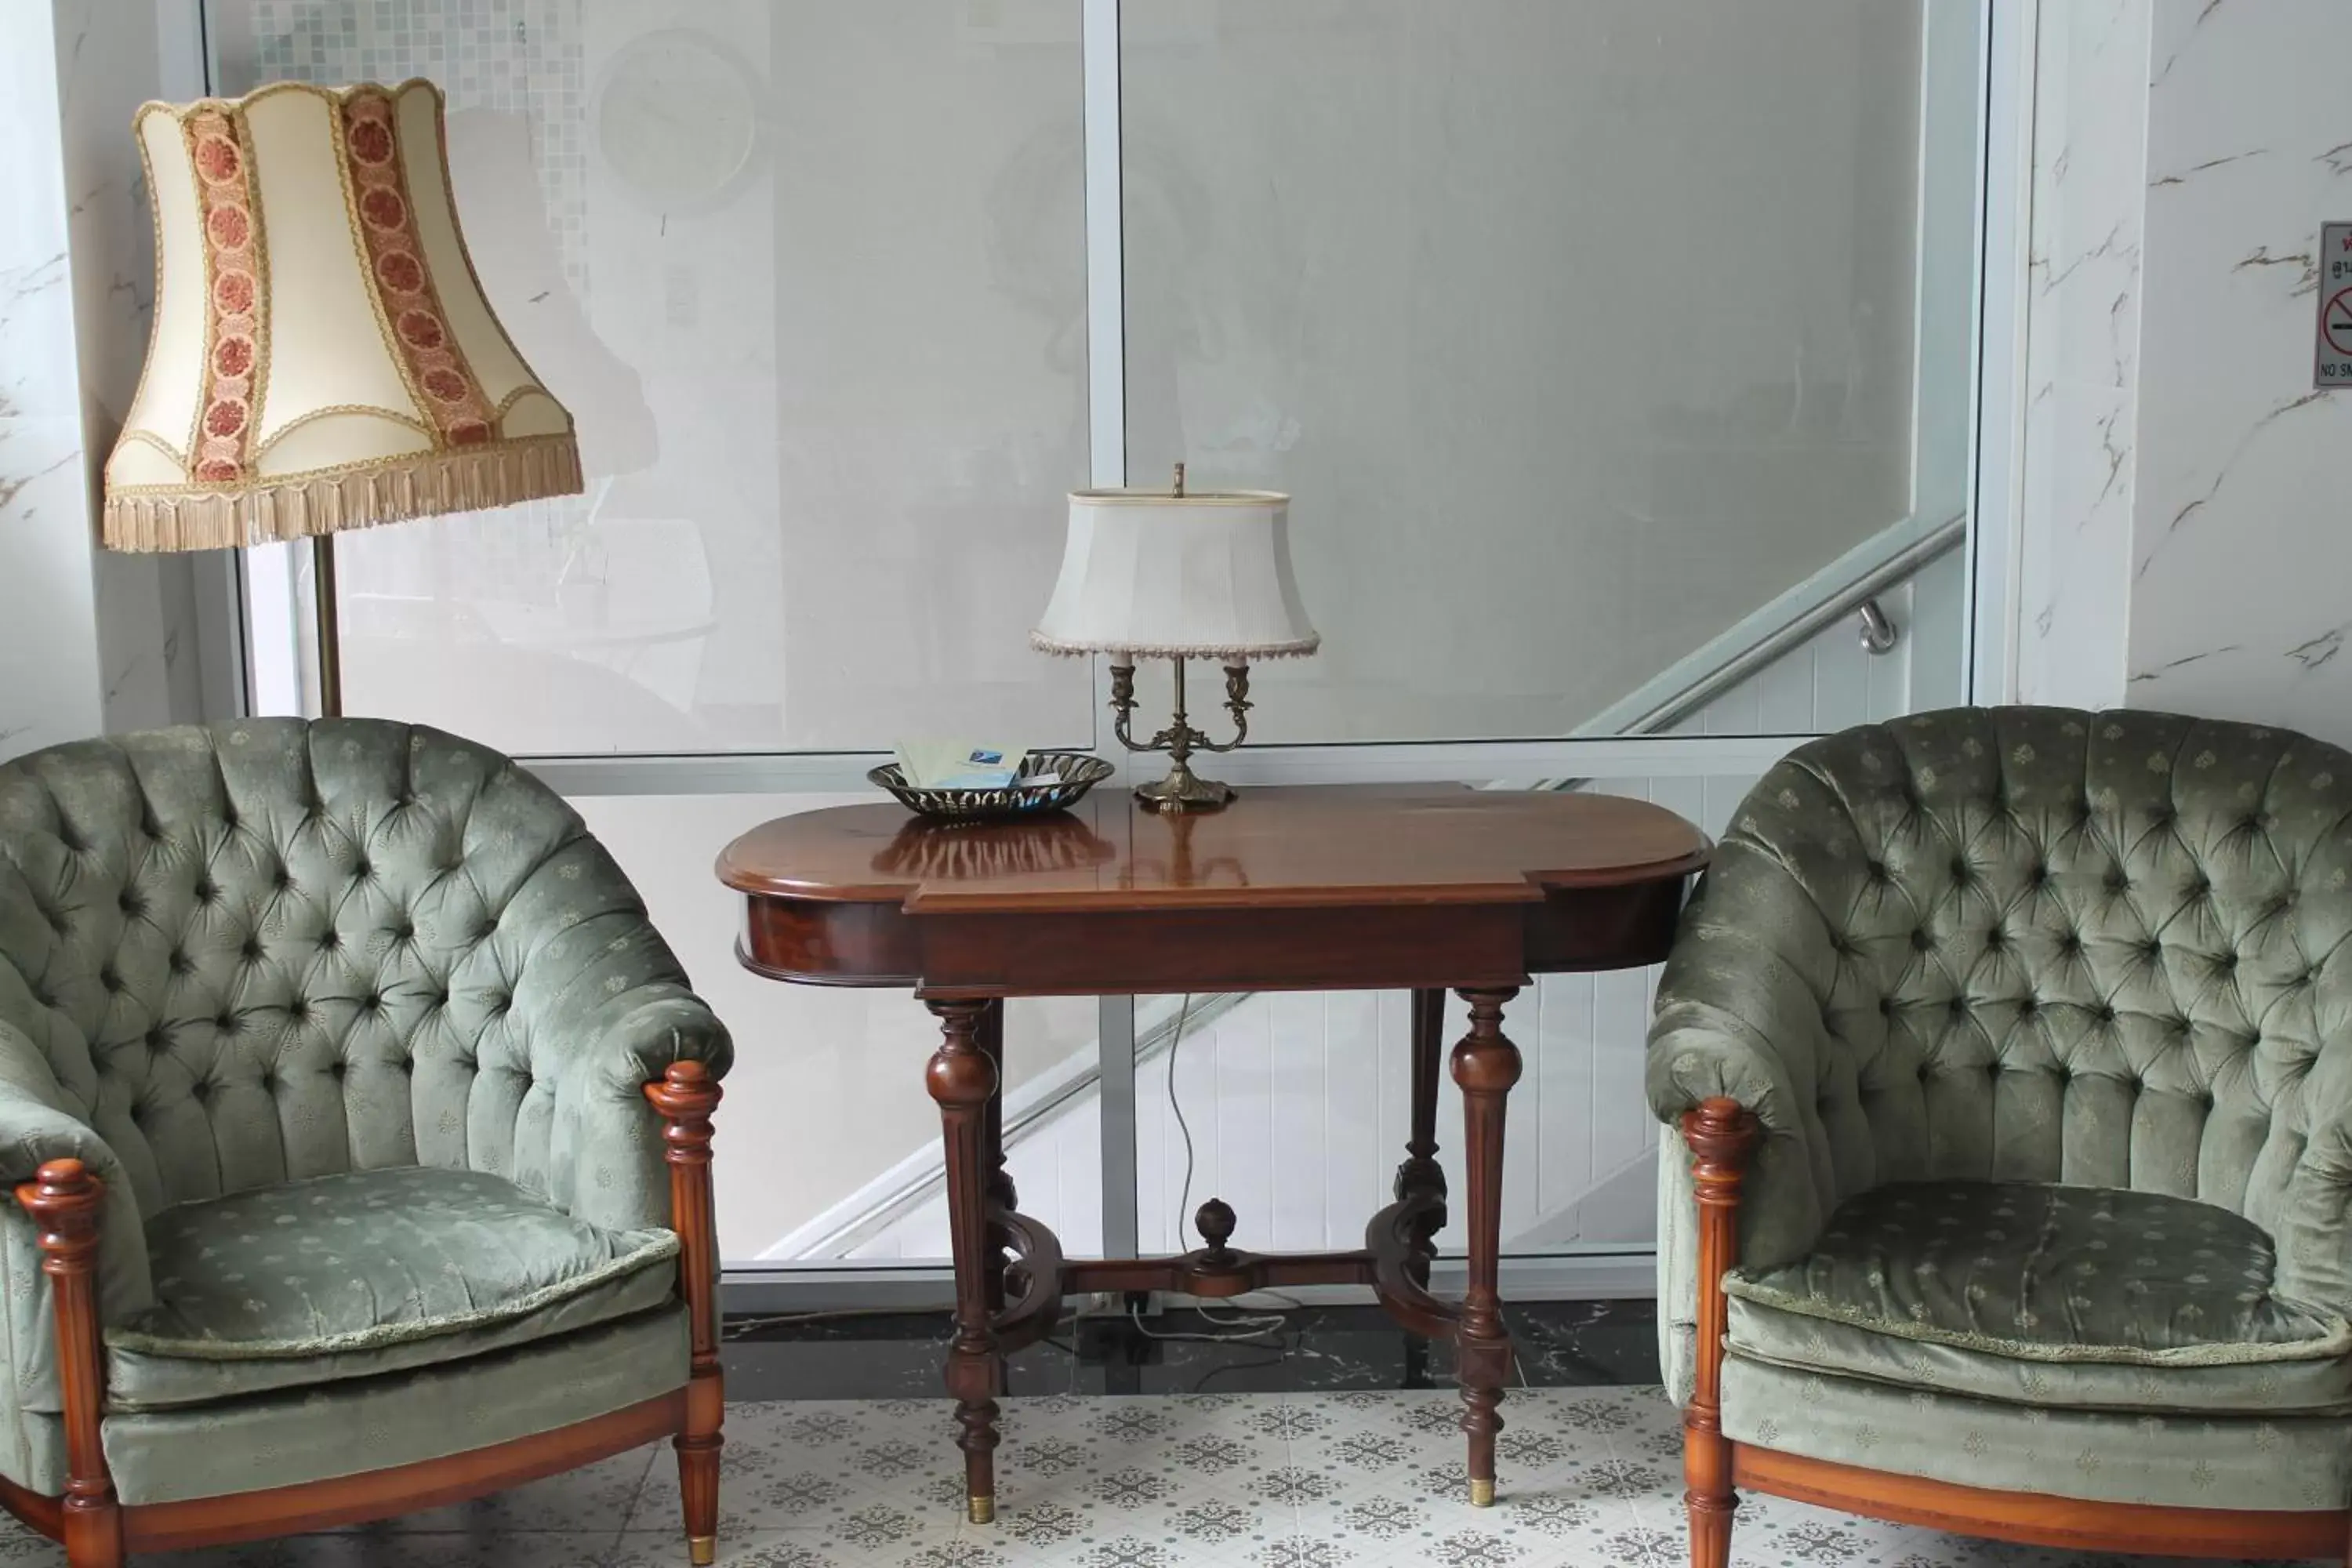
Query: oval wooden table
point(1340, 887)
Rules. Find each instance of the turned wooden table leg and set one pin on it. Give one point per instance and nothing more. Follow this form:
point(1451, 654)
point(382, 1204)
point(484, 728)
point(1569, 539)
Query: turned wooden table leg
point(64, 1201)
point(685, 1096)
point(962, 1079)
point(1421, 1173)
point(1486, 1066)
point(989, 1037)
point(1721, 1138)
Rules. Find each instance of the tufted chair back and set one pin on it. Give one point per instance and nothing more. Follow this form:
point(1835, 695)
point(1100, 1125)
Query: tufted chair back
point(2040, 944)
point(265, 950)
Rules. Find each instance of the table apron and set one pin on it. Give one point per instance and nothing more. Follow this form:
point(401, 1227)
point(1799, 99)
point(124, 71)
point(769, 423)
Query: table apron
point(1311, 949)
point(1315, 947)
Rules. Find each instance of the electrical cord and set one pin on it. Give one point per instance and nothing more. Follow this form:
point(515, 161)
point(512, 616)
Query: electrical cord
point(1242, 1326)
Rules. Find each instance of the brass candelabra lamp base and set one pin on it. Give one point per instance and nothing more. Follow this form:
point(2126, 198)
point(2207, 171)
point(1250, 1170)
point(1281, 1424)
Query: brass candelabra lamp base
point(1182, 790)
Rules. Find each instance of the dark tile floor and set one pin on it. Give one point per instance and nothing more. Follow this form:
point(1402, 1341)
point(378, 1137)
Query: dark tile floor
point(898, 1355)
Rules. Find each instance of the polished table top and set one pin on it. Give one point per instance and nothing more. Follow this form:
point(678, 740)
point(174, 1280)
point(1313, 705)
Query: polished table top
point(1284, 847)
point(1286, 889)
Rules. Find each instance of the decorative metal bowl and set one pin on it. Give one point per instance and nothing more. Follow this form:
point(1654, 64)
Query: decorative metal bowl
point(1075, 772)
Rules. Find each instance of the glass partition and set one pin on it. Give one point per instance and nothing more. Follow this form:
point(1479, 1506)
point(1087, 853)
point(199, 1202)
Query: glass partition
point(811, 277)
point(1614, 352)
point(1581, 334)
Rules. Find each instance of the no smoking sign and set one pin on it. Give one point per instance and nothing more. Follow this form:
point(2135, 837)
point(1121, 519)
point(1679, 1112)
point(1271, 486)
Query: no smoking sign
point(2335, 367)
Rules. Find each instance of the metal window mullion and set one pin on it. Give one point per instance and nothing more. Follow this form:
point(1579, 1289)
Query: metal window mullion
point(1996, 475)
point(1107, 446)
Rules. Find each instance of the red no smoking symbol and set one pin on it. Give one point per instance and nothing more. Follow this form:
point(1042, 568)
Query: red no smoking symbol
point(2335, 321)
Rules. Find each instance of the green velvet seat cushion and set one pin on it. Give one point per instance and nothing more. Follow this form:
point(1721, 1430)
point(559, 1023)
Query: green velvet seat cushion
point(373, 1424)
point(2055, 1296)
point(369, 1272)
point(2182, 1460)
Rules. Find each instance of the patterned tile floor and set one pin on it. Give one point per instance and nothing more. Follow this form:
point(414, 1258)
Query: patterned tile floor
point(1285, 1479)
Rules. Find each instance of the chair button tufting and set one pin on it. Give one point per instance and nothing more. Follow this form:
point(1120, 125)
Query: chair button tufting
point(1878, 870)
point(225, 1022)
point(2028, 1008)
point(1920, 940)
point(250, 949)
point(205, 890)
point(2226, 960)
point(1959, 1007)
point(181, 962)
point(361, 871)
point(108, 980)
point(2070, 943)
point(2038, 877)
point(2106, 1012)
point(408, 1067)
point(130, 903)
point(157, 1039)
point(1886, 1006)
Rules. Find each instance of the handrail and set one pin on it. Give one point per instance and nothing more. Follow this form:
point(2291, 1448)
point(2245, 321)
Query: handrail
point(1796, 631)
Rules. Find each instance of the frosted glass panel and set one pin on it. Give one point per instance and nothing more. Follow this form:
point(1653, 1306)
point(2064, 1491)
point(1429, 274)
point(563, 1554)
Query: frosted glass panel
point(811, 277)
point(1579, 331)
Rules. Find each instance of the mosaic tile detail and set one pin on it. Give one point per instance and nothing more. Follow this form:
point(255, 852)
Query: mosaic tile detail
point(1298, 1480)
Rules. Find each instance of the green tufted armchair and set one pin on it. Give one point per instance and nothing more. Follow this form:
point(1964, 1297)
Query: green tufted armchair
point(2009, 1054)
point(359, 1125)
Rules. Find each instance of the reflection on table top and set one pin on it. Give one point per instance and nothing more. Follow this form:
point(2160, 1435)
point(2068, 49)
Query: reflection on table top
point(1294, 846)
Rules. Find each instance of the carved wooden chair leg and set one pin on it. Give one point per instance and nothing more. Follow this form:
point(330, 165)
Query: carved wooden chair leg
point(686, 1097)
point(1721, 1138)
point(64, 1201)
point(963, 1078)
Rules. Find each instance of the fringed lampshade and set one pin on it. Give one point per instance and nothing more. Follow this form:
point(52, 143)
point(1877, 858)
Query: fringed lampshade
point(322, 357)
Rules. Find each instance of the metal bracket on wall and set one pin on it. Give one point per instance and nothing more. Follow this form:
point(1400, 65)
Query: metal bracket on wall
point(1879, 634)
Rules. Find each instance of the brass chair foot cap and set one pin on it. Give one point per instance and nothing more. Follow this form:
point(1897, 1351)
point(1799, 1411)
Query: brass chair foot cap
point(1482, 1494)
point(702, 1551)
point(983, 1511)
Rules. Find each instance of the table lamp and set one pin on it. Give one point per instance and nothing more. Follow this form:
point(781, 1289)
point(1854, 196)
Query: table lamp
point(1173, 575)
point(321, 356)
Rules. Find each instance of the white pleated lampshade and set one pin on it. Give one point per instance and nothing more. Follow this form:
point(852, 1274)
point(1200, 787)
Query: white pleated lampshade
point(1203, 575)
point(322, 357)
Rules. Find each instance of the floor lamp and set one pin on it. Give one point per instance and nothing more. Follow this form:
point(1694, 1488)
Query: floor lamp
point(321, 357)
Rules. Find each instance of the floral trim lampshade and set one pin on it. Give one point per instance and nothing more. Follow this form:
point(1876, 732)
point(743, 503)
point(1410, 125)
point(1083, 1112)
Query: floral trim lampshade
point(321, 357)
